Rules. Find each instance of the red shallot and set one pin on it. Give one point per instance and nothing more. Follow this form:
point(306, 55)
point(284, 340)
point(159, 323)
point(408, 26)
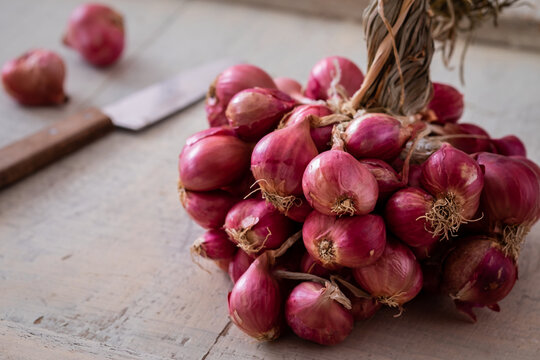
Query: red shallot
point(349, 241)
point(387, 178)
point(211, 159)
point(405, 216)
point(477, 274)
point(255, 225)
point(510, 145)
point(335, 183)
point(333, 76)
point(278, 163)
point(375, 135)
point(395, 278)
point(239, 264)
point(446, 104)
point(214, 244)
point(510, 199)
point(455, 180)
point(289, 86)
point(321, 135)
point(468, 138)
point(96, 31)
point(253, 113)
point(309, 265)
point(35, 78)
point(319, 313)
point(229, 83)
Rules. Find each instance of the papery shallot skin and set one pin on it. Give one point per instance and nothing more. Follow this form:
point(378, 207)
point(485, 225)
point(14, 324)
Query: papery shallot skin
point(230, 82)
point(253, 113)
point(213, 158)
point(35, 78)
point(404, 217)
point(321, 135)
point(478, 273)
point(299, 211)
point(256, 225)
point(207, 208)
point(447, 103)
point(347, 241)
point(319, 85)
point(255, 301)
point(451, 172)
point(335, 183)
point(376, 135)
point(97, 32)
point(278, 162)
point(395, 278)
point(314, 316)
point(214, 244)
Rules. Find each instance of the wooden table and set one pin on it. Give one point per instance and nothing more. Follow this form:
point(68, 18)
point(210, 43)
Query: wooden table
point(94, 260)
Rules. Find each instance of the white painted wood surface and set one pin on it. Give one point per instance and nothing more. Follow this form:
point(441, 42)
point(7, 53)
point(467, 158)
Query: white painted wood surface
point(94, 260)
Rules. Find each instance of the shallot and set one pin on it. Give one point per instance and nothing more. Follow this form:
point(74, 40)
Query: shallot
point(446, 104)
point(333, 76)
point(214, 244)
point(97, 32)
point(207, 208)
point(35, 78)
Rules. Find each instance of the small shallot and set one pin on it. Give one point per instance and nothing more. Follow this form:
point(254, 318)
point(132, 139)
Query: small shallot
point(446, 104)
point(97, 32)
point(278, 163)
point(349, 241)
point(253, 113)
point(477, 274)
point(510, 145)
point(229, 83)
point(255, 225)
point(35, 78)
point(333, 76)
point(319, 313)
point(214, 244)
point(239, 264)
point(207, 208)
point(321, 135)
point(395, 278)
point(387, 178)
point(375, 135)
point(213, 158)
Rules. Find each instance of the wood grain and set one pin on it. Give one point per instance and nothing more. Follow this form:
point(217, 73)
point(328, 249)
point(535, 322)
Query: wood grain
point(94, 259)
point(26, 156)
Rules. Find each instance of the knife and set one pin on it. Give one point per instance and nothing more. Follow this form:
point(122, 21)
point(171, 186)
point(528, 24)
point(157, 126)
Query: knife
point(134, 112)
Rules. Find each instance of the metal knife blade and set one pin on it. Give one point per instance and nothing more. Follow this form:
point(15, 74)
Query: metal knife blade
point(155, 102)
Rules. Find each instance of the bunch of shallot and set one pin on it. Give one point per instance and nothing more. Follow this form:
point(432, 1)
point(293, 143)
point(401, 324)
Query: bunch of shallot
point(385, 205)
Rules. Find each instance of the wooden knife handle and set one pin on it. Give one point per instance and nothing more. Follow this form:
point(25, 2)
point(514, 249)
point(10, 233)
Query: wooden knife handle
point(28, 155)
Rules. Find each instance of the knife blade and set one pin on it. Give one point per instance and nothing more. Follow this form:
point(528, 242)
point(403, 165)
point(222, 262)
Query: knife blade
point(134, 112)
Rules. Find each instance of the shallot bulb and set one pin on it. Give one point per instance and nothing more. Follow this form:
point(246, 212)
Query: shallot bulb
point(253, 113)
point(212, 158)
point(335, 183)
point(364, 308)
point(415, 174)
point(375, 135)
point(278, 163)
point(395, 278)
point(35, 78)
point(207, 208)
point(239, 264)
point(511, 198)
point(477, 274)
point(319, 313)
point(321, 135)
point(97, 32)
point(471, 144)
point(300, 211)
point(387, 178)
point(510, 145)
point(214, 244)
point(255, 225)
point(229, 83)
point(455, 180)
point(289, 86)
point(349, 241)
point(446, 104)
point(405, 216)
point(255, 301)
point(333, 76)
